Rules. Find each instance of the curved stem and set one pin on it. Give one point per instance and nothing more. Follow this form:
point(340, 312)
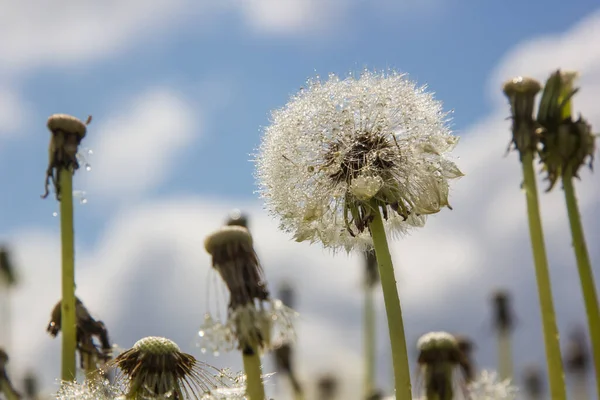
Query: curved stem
point(8, 391)
point(369, 325)
point(586, 275)
point(551, 339)
point(392, 306)
point(68, 321)
point(254, 384)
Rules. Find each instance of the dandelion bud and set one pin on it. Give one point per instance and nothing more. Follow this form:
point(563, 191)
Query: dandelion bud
point(67, 133)
point(7, 269)
point(566, 144)
point(439, 355)
point(6, 386)
point(521, 93)
point(156, 367)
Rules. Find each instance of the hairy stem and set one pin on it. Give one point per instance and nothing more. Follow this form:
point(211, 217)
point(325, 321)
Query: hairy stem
point(402, 384)
point(254, 384)
point(551, 339)
point(586, 276)
point(68, 321)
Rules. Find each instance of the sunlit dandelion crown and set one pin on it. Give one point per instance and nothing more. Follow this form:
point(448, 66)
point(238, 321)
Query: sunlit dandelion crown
point(343, 144)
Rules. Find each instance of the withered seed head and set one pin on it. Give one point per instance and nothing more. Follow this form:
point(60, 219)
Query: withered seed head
point(533, 382)
point(466, 347)
point(521, 92)
point(235, 259)
point(327, 386)
point(371, 268)
point(577, 356)
point(67, 133)
point(7, 269)
point(155, 366)
point(503, 316)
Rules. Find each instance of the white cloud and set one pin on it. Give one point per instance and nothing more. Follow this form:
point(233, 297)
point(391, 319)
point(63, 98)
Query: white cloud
point(148, 273)
point(12, 112)
point(135, 148)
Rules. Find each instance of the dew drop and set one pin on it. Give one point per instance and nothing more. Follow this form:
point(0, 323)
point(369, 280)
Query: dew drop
point(90, 152)
point(83, 201)
point(55, 214)
point(203, 350)
point(88, 167)
point(216, 353)
point(201, 333)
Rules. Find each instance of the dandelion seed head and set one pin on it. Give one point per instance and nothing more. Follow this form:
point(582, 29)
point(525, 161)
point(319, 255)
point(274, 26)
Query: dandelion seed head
point(489, 387)
point(342, 143)
point(66, 123)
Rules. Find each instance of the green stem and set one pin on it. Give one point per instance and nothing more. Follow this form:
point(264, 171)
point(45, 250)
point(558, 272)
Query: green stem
point(392, 306)
point(68, 322)
point(369, 338)
point(586, 275)
point(505, 369)
point(550, 329)
point(254, 384)
point(7, 389)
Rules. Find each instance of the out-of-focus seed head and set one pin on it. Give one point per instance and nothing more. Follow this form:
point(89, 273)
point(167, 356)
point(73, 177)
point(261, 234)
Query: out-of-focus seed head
point(238, 218)
point(327, 387)
point(31, 385)
point(533, 382)
point(502, 311)
point(67, 133)
point(344, 146)
point(521, 92)
point(439, 356)
point(287, 294)
point(7, 268)
point(487, 386)
point(567, 144)
point(466, 347)
point(577, 355)
point(155, 366)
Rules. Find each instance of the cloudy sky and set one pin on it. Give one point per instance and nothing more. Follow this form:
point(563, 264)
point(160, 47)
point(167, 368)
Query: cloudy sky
point(180, 90)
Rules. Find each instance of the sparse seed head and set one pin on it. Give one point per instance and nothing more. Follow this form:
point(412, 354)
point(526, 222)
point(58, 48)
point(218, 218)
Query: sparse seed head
point(521, 92)
point(342, 145)
point(439, 356)
point(156, 367)
point(487, 386)
point(521, 85)
point(226, 236)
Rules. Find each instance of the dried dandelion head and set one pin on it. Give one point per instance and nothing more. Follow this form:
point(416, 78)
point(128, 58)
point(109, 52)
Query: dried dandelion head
point(439, 357)
point(155, 367)
point(502, 311)
point(343, 146)
point(254, 319)
point(577, 354)
point(67, 133)
point(7, 268)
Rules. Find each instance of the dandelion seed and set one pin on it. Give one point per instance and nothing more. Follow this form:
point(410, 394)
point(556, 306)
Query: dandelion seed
point(343, 143)
point(488, 387)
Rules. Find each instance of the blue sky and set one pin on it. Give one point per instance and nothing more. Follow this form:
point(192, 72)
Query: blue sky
point(180, 90)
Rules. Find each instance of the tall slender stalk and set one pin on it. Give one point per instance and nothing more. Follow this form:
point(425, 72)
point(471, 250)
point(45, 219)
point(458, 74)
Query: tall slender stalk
point(550, 329)
point(68, 321)
point(254, 385)
point(392, 306)
point(369, 338)
point(505, 363)
point(584, 267)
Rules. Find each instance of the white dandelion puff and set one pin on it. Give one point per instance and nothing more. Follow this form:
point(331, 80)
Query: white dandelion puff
point(342, 143)
point(488, 387)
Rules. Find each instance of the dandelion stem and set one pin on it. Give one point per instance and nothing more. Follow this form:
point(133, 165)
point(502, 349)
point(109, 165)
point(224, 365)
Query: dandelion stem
point(68, 323)
point(252, 368)
point(586, 275)
point(505, 364)
point(369, 338)
point(7, 390)
point(550, 329)
point(392, 306)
